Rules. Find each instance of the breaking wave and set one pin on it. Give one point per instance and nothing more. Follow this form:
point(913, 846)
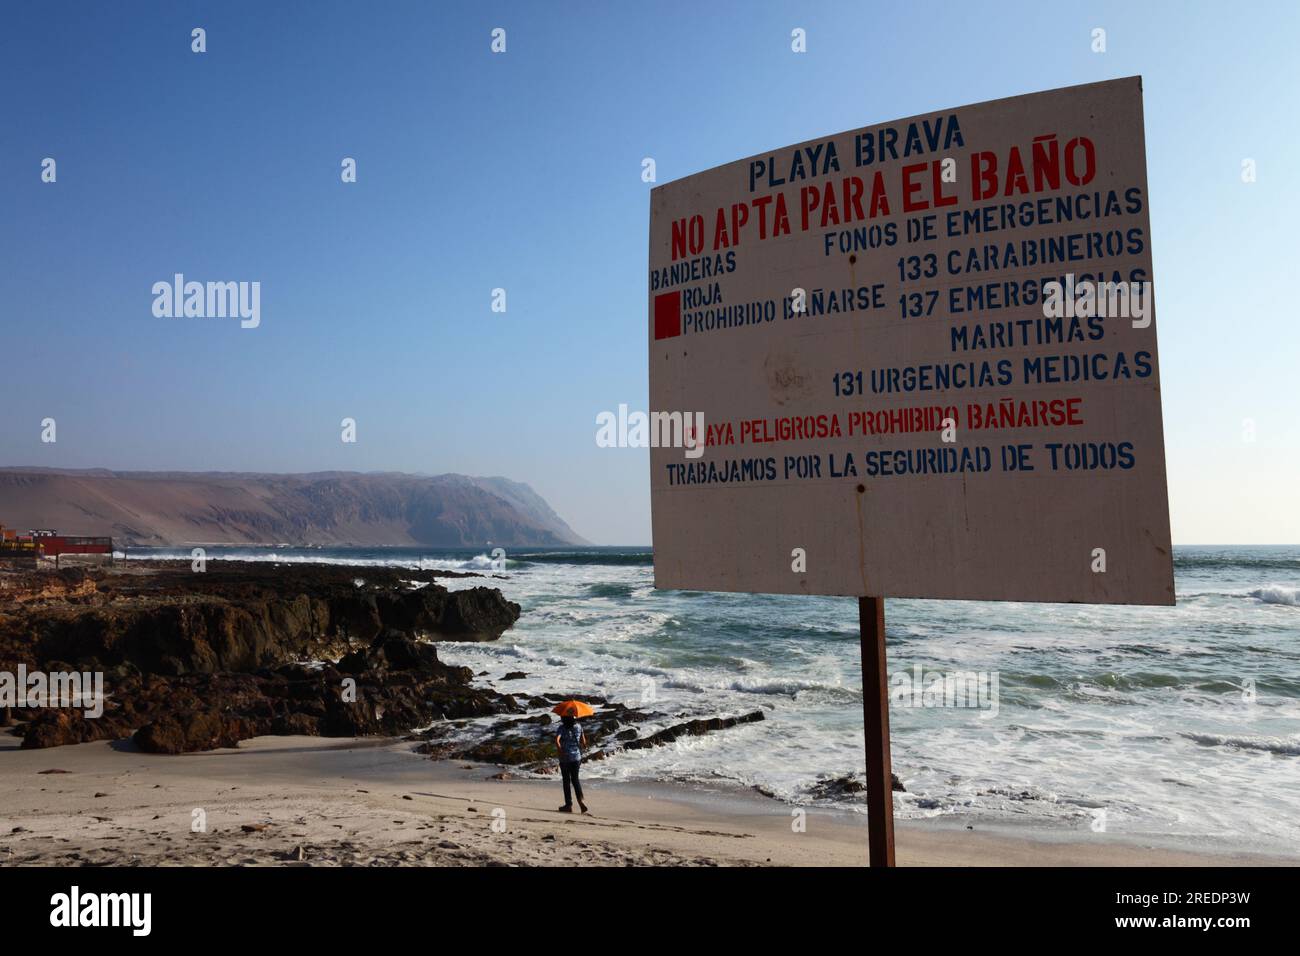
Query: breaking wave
point(1277, 595)
point(1283, 746)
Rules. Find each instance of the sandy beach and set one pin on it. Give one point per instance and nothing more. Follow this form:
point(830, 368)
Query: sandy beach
point(307, 801)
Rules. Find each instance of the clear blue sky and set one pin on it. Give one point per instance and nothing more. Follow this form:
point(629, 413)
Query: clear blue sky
point(523, 171)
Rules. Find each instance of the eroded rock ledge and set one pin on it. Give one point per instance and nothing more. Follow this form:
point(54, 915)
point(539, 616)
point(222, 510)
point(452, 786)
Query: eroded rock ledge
point(195, 661)
point(167, 619)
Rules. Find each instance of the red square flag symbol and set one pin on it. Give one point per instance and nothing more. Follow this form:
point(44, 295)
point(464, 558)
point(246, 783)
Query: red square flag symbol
point(668, 315)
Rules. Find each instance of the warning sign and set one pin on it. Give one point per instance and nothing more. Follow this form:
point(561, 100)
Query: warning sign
point(916, 360)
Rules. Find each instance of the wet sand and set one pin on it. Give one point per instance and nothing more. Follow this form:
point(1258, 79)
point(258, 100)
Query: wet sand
point(309, 801)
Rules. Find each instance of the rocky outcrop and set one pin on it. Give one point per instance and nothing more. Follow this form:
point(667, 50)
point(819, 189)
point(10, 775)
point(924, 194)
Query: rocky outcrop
point(57, 585)
point(193, 661)
point(848, 786)
point(391, 686)
point(196, 661)
point(691, 728)
point(529, 742)
point(232, 617)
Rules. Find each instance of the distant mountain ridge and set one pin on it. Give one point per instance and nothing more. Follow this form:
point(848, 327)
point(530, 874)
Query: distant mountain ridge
point(332, 508)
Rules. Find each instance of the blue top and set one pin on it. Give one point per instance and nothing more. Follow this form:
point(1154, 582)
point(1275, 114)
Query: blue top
point(571, 742)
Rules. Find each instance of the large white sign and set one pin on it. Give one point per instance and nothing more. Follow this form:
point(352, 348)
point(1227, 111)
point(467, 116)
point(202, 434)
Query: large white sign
point(922, 360)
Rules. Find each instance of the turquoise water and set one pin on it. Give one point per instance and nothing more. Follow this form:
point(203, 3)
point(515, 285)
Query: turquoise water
point(1179, 721)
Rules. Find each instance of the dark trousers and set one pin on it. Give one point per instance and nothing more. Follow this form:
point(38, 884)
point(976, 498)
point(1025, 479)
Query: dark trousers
point(569, 771)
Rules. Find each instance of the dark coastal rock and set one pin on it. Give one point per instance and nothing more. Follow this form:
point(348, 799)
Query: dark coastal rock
point(692, 728)
point(530, 744)
point(593, 700)
point(475, 614)
point(395, 651)
point(203, 730)
point(848, 785)
point(232, 617)
point(54, 728)
point(402, 685)
point(197, 661)
point(1017, 795)
point(296, 724)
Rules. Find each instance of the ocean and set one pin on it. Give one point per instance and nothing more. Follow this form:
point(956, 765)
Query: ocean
point(1181, 723)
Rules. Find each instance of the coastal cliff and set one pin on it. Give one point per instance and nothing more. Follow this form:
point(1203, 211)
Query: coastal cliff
point(158, 509)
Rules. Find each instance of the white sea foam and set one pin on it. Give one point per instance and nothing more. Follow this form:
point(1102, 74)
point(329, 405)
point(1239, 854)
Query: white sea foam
point(1278, 595)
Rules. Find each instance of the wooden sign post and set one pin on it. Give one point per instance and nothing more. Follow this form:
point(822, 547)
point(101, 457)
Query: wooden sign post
point(875, 727)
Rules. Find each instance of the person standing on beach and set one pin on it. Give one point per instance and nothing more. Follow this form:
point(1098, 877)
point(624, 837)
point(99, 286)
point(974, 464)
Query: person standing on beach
point(570, 741)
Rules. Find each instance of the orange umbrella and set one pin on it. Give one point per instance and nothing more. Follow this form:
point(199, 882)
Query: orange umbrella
point(573, 708)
